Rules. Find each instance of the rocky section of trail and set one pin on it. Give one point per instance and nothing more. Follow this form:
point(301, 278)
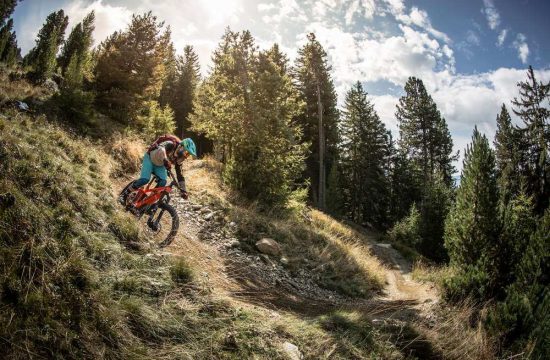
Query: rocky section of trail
point(399, 312)
point(209, 225)
point(262, 273)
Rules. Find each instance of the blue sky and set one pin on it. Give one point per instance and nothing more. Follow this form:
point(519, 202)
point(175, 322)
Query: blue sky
point(470, 54)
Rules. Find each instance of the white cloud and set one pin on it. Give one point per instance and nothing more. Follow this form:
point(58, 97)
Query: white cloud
point(420, 18)
point(491, 14)
point(289, 10)
point(502, 37)
point(520, 44)
point(396, 7)
point(472, 38)
point(350, 12)
point(266, 7)
point(356, 56)
point(369, 8)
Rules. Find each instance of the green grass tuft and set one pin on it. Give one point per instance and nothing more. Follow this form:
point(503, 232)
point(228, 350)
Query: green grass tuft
point(180, 271)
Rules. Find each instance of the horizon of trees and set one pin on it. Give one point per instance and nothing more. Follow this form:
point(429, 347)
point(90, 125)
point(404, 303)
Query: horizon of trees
point(278, 132)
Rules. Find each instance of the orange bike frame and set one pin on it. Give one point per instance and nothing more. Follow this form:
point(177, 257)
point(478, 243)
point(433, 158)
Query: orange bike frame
point(148, 196)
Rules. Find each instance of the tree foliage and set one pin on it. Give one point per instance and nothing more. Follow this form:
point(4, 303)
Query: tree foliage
point(422, 171)
point(363, 157)
point(42, 58)
point(76, 50)
point(471, 228)
point(6, 9)
point(155, 120)
point(424, 136)
point(508, 145)
point(312, 77)
point(532, 108)
point(9, 51)
point(522, 319)
point(246, 106)
point(130, 68)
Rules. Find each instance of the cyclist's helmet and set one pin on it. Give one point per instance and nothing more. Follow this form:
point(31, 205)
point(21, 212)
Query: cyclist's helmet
point(189, 146)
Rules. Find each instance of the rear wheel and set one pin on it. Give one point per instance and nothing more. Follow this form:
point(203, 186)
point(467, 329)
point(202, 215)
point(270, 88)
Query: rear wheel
point(162, 225)
point(124, 194)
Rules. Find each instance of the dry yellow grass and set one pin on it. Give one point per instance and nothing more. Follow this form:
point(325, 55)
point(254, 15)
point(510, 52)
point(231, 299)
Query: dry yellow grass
point(431, 273)
point(19, 88)
point(128, 153)
point(453, 334)
point(340, 254)
point(352, 243)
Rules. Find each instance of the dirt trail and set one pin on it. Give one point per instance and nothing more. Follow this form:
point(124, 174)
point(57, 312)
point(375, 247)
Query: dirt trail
point(400, 285)
point(258, 279)
point(251, 279)
point(208, 243)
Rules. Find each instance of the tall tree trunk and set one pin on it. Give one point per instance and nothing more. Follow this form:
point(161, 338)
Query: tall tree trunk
point(321, 203)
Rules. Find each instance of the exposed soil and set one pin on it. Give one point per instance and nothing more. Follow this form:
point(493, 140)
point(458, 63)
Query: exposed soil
point(210, 243)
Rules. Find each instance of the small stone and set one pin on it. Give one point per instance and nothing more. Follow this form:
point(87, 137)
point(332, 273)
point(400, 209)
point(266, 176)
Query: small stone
point(208, 216)
point(292, 351)
point(268, 246)
point(284, 261)
point(233, 243)
point(232, 224)
point(230, 341)
point(204, 210)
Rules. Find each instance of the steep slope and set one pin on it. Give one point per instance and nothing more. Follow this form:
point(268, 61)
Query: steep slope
point(74, 285)
point(78, 279)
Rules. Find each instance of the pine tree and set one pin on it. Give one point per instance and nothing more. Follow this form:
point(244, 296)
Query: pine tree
point(9, 51)
point(78, 45)
point(424, 136)
point(168, 91)
point(6, 9)
point(522, 320)
point(5, 32)
point(507, 153)
point(532, 108)
point(425, 166)
point(156, 120)
point(319, 120)
point(403, 189)
point(12, 53)
point(187, 81)
point(130, 68)
point(43, 56)
point(436, 202)
point(336, 191)
point(518, 224)
point(246, 106)
point(363, 153)
point(471, 228)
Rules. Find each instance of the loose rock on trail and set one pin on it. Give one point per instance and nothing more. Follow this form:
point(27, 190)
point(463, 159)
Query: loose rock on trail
point(264, 279)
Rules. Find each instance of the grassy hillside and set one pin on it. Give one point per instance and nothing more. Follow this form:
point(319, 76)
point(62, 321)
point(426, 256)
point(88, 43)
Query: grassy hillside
point(72, 285)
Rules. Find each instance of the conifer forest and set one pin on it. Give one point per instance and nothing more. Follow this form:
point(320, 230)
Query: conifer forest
point(280, 157)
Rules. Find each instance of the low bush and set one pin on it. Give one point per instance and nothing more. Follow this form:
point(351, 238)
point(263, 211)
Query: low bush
point(180, 271)
point(407, 231)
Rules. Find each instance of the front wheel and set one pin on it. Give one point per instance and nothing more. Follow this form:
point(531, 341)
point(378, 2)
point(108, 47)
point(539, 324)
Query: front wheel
point(161, 226)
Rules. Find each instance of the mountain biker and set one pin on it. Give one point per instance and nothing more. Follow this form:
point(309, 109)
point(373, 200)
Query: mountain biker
point(161, 154)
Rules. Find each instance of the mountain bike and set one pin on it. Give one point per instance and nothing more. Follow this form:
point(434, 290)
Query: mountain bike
point(151, 206)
